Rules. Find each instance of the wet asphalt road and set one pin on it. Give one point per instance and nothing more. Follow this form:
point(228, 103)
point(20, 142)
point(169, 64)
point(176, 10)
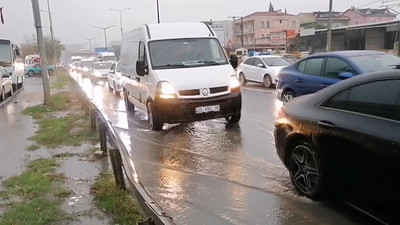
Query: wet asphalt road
point(212, 173)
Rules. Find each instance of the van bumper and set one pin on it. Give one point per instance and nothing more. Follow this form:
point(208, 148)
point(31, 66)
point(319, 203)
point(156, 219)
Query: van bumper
point(183, 110)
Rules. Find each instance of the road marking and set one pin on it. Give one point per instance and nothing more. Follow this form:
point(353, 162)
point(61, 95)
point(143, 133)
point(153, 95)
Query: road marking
point(263, 129)
point(258, 90)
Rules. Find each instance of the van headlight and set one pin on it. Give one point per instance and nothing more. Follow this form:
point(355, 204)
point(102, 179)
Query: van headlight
point(166, 90)
point(234, 83)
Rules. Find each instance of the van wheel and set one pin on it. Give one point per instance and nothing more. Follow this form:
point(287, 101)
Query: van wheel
point(3, 94)
point(154, 123)
point(267, 81)
point(234, 118)
point(128, 105)
point(30, 73)
point(11, 92)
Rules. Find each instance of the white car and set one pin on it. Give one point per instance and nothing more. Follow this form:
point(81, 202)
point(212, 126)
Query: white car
point(100, 71)
point(115, 78)
point(6, 84)
point(261, 69)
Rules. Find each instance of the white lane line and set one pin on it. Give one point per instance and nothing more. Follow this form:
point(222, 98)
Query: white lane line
point(258, 90)
point(263, 129)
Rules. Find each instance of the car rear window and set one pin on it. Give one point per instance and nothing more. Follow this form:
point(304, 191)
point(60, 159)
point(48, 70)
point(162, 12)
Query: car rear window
point(374, 63)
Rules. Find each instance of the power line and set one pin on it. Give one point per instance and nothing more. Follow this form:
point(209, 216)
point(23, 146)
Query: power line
point(368, 4)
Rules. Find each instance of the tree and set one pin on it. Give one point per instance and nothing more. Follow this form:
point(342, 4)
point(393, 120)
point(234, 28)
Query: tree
point(271, 7)
point(30, 47)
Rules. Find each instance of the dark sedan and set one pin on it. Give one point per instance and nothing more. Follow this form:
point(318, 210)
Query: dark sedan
point(318, 71)
point(345, 141)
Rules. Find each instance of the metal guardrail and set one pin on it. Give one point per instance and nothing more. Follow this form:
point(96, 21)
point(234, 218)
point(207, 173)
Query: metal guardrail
point(121, 160)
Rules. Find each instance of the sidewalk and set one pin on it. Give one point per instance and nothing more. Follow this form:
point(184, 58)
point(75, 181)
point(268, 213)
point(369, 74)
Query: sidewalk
point(79, 166)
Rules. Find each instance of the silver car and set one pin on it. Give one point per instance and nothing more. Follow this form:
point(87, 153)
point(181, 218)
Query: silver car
point(100, 70)
point(6, 85)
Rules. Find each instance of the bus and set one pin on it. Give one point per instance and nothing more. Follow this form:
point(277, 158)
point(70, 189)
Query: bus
point(10, 59)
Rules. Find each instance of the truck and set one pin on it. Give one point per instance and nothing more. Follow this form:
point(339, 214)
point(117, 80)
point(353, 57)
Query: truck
point(10, 59)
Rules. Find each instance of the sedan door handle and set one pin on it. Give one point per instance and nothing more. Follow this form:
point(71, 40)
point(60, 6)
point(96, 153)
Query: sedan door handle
point(326, 124)
point(324, 85)
point(299, 80)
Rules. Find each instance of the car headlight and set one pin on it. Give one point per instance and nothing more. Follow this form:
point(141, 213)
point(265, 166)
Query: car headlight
point(166, 90)
point(234, 82)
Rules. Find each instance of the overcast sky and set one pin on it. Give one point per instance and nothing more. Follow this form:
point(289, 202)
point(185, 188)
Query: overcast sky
point(74, 20)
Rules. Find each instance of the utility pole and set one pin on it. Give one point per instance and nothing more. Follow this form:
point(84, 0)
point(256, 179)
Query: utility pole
point(52, 34)
point(42, 51)
point(158, 12)
point(105, 34)
point(90, 44)
point(329, 37)
point(120, 18)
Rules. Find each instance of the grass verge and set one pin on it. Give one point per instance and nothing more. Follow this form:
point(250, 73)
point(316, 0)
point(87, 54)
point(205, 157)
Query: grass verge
point(62, 79)
point(40, 193)
point(120, 204)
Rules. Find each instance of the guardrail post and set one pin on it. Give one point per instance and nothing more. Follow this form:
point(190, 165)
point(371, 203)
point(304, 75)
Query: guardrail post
point(103, 137)
point(149, 221)
point(93, 119)
point(116, 163)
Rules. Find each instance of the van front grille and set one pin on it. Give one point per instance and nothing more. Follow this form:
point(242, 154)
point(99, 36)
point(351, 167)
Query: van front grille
point(189, 92)
point(218, 89)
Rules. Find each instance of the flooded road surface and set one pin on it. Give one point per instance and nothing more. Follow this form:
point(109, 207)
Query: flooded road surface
point(210, 172)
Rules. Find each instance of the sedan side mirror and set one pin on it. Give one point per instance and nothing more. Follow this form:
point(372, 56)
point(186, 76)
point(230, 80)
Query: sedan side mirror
point(260, 65)
point(345, 75)
point(141, 69)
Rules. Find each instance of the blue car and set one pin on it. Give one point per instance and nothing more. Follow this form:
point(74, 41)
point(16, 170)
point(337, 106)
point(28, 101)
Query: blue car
point(318, 71)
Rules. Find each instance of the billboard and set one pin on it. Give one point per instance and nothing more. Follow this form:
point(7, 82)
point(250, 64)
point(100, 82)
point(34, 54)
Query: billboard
point(278, 38)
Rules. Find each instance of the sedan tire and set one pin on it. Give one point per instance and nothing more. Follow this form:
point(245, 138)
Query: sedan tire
point(287, 96)
point(242, 79)
point(305, 170)
point(267, 81)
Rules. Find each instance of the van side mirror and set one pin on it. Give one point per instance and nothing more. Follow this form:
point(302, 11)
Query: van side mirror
point(141, 68)
point(234, 61)
point(345, 75)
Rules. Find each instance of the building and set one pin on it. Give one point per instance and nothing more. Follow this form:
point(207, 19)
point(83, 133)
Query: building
point(261, 31)
point(365, 16)
point(223, 30)
point(320, 20)
point(380, 36)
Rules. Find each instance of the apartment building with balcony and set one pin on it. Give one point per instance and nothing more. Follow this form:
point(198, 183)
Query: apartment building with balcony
point(264, 30)
point(368, 15)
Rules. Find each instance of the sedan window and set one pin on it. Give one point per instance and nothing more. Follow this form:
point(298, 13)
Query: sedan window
point(336, 66)
point(258, 62)
point(314, 66)
point(250, 61)
point(380, 98)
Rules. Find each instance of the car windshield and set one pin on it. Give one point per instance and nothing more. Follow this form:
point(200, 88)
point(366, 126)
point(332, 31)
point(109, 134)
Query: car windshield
point(109, 58)
point(275, 61)
point(373, 63)
point(189, 52)
point(102, 65)
point(87, 64)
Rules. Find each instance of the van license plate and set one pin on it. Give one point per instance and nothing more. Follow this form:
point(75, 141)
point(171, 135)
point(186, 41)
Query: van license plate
point(206, 109)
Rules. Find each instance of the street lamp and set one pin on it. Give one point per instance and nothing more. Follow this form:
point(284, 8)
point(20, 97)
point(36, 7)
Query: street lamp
point(90, 44)
point(105, 33)
point(120, 17)
point(158, 12)
point(329, 37)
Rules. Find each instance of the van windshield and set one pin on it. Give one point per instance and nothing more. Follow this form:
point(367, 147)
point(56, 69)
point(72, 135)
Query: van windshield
point(109, 58)
point(5, 52)
point(188, 52)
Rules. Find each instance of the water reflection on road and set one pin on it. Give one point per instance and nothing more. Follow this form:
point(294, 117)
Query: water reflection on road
point(209, 172)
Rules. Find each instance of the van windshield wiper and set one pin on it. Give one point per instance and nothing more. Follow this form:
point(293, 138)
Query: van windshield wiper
point(210, 62)
point(171, 65)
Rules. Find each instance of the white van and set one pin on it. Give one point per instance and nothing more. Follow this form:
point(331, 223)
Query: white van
point(178, 72)
point(107, 57)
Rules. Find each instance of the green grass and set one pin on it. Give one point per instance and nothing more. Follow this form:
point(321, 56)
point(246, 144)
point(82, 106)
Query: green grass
point(60, 101)
point(55, 132)
point(62, 80)
point(120, 204)
point(38, 187)
point(33, 147)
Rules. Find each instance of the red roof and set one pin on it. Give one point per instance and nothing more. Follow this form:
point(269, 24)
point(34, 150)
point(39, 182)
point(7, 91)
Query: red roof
point(269, 13)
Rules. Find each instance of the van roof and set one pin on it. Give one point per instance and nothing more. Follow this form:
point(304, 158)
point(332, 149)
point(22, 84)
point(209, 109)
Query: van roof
point(178, 30)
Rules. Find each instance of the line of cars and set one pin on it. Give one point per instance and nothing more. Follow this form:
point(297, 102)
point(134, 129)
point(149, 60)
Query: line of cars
point(339, 133)
point(6, 88)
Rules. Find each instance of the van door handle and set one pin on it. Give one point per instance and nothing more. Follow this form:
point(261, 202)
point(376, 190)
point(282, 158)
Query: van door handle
point(299, 80)
point(326, 124)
